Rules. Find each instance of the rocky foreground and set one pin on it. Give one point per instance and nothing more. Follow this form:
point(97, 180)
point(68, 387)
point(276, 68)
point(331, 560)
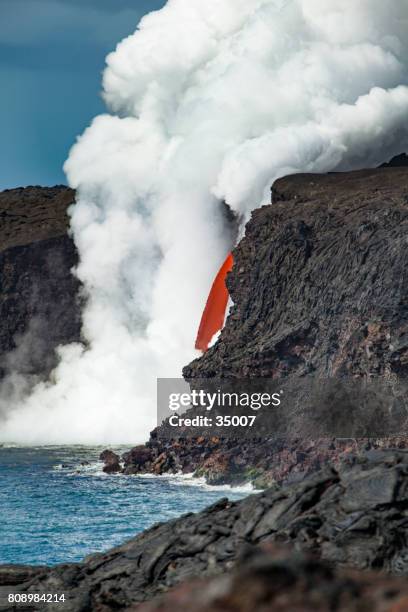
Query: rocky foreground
point(271, 578)
point(353, 516)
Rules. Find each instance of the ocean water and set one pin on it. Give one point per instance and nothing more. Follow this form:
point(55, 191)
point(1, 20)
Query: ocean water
point(58, 506)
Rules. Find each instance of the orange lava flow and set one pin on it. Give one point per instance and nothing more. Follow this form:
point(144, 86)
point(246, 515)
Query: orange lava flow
point(214, 312)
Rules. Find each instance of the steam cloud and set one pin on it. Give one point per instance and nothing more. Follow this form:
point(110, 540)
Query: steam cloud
point(210, 101)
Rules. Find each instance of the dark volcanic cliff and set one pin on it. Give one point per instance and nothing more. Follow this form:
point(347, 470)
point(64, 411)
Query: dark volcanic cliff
point(39, 305)
point(319, 282)
point(319, 290)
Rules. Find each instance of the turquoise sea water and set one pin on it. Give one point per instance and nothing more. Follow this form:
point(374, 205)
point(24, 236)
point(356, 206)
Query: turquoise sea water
point(53, 509)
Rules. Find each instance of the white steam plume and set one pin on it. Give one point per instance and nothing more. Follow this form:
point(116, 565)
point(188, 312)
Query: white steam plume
point(210, 100)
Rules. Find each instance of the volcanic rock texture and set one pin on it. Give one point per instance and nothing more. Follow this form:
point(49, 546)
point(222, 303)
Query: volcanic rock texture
point(353, 516)
point(39, 297)
point(319, 282)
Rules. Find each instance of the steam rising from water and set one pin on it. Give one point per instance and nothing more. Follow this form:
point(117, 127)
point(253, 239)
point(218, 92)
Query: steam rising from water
point(210, 101)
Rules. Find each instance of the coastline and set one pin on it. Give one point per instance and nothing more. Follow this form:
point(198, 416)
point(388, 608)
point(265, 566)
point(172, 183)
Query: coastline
point(331, 515)
point(67, 507)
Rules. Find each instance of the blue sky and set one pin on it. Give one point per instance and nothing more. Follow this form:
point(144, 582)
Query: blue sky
point(52, 55)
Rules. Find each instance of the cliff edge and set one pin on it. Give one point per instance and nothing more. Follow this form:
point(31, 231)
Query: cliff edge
point(319, 282)
point(39, 296)
point(318, 289)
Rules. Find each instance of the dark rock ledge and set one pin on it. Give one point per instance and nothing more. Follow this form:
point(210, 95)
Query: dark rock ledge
point(354, 516)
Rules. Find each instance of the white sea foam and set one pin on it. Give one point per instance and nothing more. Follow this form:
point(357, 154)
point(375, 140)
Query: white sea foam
point(95, 468)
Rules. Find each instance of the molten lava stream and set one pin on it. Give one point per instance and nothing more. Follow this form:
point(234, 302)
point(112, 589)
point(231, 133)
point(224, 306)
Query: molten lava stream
point(214, 312)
